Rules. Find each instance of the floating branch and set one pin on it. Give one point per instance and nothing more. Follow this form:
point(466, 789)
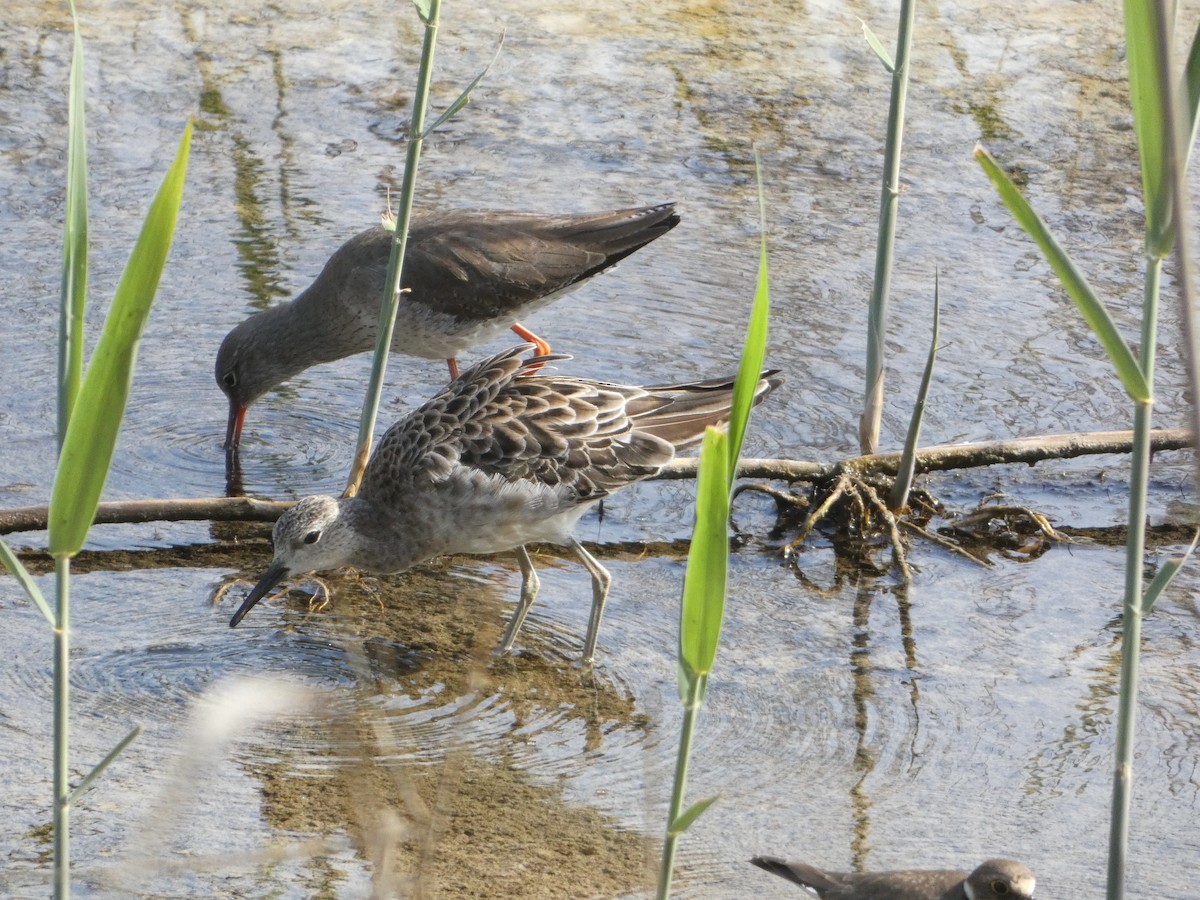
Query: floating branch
point(223, 509)
point(932, 459)
point(956, 456)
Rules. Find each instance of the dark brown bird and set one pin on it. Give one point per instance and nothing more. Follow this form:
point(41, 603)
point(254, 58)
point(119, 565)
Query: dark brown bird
point(468, 276)
point(995, 879)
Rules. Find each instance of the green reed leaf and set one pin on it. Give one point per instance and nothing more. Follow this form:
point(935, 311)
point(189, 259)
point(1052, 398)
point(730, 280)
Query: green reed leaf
point(89, 780)
point(73, 291)
point(708, 560)
point(424, 9)
point(691, 814)
point(898, 498)
point(96, 419)
point(1148, 58)
point(1191, 91)
point(1089, 305)
point(754, 349)
point(1165, 574)
point(465, 97)
point(876, 45)
point(14, 565)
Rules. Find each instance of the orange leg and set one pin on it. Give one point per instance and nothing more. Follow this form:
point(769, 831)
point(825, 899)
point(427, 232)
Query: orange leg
point(452, 364)
point(543, 348)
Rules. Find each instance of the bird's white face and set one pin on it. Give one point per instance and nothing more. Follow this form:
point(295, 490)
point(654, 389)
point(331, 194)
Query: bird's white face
point(307, 537)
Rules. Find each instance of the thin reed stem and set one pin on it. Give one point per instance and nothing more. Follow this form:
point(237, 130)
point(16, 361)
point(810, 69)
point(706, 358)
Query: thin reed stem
point(1131, 632)
point(691, 709)
point(889, 202)
point(62, 685)
point(391, 299)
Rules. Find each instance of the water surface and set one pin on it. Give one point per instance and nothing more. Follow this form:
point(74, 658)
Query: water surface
point(851, 721)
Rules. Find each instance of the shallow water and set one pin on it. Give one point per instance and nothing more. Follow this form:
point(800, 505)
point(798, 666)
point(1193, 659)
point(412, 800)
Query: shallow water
point(850, 722)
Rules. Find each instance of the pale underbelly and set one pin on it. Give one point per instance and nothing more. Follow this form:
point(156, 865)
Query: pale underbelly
point(496, 530)
point(426, 333)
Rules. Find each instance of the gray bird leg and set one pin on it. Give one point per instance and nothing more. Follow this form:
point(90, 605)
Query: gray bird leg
point(529, 589)
point(600, 582)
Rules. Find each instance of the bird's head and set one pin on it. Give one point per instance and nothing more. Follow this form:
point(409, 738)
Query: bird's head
point(1001, 879)
point(244, 372)
point(307, 539)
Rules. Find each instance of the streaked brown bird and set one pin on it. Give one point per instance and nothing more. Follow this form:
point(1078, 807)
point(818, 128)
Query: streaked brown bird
point(504, 456)
point(995, 879)
point(469, 275)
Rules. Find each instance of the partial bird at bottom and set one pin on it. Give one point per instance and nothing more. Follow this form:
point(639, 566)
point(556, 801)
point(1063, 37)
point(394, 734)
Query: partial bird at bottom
point(992, 880)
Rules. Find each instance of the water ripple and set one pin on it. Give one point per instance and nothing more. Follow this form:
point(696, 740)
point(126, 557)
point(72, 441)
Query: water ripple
point(417, 651)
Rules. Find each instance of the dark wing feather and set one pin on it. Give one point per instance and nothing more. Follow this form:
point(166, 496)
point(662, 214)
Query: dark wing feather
point(488, 263)
point(802, 874)
point(679, 413)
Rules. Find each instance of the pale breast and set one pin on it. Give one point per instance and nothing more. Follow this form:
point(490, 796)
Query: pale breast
point(487, 514)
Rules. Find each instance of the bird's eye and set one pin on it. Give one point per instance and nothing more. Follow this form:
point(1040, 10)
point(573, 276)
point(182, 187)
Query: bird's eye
point(999, 888)
point(229, 379)
point(312, 537)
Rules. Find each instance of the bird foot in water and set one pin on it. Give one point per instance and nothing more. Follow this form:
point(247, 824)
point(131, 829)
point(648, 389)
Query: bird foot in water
point(320, 598)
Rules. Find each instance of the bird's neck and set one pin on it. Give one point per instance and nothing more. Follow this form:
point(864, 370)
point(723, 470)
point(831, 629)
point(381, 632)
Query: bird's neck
point(302, 333)
point(382, 543)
